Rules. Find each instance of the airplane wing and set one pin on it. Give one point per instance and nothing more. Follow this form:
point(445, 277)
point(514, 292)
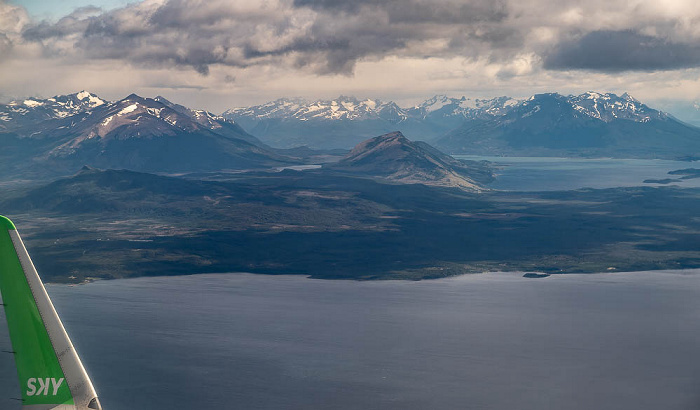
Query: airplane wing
point(50, 372)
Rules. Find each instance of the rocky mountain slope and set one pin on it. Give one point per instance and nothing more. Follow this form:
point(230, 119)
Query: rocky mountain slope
point(393, 157)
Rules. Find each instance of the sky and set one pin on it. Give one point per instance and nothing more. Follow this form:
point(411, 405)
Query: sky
point(218, 54)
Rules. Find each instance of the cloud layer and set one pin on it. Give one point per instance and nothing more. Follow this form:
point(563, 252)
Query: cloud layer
point(331, 36)
point(233, 40)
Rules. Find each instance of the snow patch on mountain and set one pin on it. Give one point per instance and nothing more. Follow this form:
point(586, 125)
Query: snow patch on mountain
point(127, 110)
point(32, 103)
point(436, 103)
point(92, 100)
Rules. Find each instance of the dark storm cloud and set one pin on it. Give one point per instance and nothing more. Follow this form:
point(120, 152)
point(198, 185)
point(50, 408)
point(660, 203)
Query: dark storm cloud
point(375, 29)
point(615, 51)
point(338, 54)
point(417, 11)
point(301, 33)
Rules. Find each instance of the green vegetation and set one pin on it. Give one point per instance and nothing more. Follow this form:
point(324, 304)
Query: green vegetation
point(111, 224)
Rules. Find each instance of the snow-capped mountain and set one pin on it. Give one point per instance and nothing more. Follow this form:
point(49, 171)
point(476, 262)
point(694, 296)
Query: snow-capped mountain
point(591, 124)
point(609, 107)
point(141, 134)
point(17, 114)
point(442, 106)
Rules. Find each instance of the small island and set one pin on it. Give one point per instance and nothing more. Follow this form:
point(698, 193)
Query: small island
point(536, 275)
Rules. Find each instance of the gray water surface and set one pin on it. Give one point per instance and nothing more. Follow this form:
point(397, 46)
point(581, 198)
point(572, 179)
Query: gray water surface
point(490, 341)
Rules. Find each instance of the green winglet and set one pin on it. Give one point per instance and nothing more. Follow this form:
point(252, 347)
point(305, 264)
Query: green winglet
point(41, 376)
point(5, 223)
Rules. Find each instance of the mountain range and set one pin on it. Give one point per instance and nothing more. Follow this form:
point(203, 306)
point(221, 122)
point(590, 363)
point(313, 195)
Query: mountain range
point(58, 135)
point(346, 121)
point(591, 124)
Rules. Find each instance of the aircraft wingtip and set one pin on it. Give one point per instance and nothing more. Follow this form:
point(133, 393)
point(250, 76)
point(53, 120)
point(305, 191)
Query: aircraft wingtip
point(6, 223)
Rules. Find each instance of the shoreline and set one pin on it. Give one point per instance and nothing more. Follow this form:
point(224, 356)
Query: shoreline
point(512, 273)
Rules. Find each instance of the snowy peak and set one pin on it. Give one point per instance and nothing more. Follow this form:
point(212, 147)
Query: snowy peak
point(610, 107)
point(606, 107)
point(88, 99)
point(70, 104)
point(31, 110)
point(138, 116)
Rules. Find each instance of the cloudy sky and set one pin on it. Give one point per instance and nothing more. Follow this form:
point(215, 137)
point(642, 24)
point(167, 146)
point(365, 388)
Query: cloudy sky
point(218, 54)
